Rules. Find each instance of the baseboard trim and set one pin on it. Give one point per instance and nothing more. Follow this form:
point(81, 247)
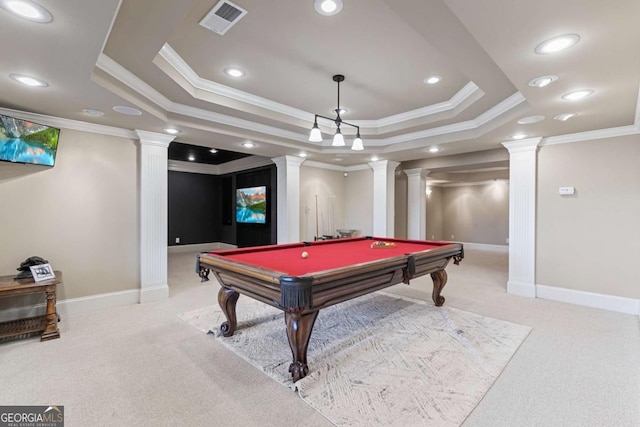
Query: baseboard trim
point(154, 293)
point(521, 289)
point(486, 247)
point(589, 299)
point(74, 306)
point(200, 247)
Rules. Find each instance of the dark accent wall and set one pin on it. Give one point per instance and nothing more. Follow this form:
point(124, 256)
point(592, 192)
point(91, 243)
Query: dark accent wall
point(194, 208)
point(202, 208)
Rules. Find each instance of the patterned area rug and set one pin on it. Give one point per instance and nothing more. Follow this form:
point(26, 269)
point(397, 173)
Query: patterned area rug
point(380, 359)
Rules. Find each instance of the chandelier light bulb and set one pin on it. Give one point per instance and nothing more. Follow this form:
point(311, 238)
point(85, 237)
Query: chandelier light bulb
point(357, 144)
point(315, 135)
point(338, 139)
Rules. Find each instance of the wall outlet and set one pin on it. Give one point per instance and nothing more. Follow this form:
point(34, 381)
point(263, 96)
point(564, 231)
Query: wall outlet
point(452, 236)
point(433, 237)
point(507, 240)
point(177, 240)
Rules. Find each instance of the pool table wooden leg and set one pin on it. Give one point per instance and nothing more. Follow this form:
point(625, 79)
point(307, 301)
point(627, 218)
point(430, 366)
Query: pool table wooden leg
point(439, 280)
point(227, 298)
point(299, 328)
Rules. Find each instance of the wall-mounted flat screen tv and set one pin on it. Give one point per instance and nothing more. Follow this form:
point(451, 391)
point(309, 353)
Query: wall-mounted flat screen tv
point(22, 141)
point(251, 205)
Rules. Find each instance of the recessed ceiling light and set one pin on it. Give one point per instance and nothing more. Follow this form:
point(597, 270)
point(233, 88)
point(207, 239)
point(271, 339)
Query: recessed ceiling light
point(172, 131)
point(27, 9)
point(28, 81)
point(342, 111)
point(213, 151)
point(192, 158)
point(519, 136)
point(431, 80)
point(577, 95)
point(129, 111)
point(543, 81)
point(328, 7)
point(374, 158)
point(302, 154)
point(564, 116)
point(234, 72)
point(92, 112)
point(434, 149)
point(557, 44)
point(530, 119)
point(248, 144)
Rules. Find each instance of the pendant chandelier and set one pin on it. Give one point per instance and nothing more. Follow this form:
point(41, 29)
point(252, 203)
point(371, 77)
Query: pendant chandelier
point(338, 139)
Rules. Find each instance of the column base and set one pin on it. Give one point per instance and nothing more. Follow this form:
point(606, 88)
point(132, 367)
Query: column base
point(154, 293)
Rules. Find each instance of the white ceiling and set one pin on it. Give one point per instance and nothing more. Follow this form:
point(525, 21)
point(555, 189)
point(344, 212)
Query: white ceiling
point(153, 55)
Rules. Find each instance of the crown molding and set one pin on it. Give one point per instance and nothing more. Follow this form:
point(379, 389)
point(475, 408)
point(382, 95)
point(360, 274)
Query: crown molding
point(197, 82)
point(469, 90)
point(125, 76)
point(246, 163)
point(491, 114)
point(132, 81)
point(591, 135)
point(223, 119)
point(182, 67)
point(118, 72)
point(61, 123)
point(243, 164)
point(322, 165)
point(190, 167)
point(466, 184)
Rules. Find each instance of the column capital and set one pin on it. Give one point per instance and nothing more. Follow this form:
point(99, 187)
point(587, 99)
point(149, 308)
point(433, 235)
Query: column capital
point(154, 138)
point(529, 144)
point(287, 161)
point(421, 172)
point(380, 165)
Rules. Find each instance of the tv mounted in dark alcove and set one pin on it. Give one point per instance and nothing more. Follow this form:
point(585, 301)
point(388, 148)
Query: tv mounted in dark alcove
point(251, 205)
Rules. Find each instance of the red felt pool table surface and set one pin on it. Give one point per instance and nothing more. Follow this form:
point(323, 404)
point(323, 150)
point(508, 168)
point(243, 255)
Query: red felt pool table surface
point(323, 255)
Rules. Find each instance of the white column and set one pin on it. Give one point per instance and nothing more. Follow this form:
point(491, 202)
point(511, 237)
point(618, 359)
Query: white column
point(383, 197)
point(416, 203)
point(153, 215)
point(288, 196)
point(522, 216)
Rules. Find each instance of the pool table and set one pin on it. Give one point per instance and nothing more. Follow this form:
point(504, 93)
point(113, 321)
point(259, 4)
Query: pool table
point(302, 278)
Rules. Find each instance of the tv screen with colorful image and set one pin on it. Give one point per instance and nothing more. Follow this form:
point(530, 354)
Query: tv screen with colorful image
point(251, 205)
point(22, 141)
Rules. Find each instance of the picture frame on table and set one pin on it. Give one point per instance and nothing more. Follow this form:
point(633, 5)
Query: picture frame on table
point(42, 272)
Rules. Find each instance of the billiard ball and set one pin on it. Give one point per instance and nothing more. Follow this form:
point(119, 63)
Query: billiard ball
point(304, 254)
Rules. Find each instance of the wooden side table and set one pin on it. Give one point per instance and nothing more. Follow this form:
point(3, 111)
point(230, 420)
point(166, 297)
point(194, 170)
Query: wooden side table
point(47, 323)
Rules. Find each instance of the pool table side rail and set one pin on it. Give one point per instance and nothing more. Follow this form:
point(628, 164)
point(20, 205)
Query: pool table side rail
point(324, 288)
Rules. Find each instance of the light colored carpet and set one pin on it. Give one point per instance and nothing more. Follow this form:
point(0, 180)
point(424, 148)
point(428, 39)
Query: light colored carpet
point(380, 359)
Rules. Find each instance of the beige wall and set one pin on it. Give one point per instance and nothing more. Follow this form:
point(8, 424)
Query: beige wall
point(401, 194)
point(590, 241)
point(81, 215)
point(359, 201)
point(476, 213)
point(434, 214)
point(329, 187)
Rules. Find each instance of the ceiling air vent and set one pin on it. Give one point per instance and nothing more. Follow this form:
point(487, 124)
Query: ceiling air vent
point(223, 16)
